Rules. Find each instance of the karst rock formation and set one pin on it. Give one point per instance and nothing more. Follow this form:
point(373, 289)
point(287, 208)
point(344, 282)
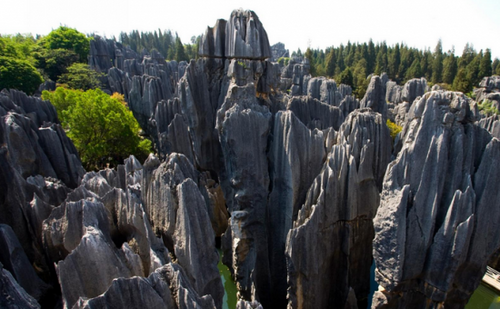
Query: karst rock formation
point(294, 179)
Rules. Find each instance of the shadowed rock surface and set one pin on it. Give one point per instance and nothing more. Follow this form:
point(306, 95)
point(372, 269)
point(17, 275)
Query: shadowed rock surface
point(435, 226)
point(328, 249)
point(12, 295)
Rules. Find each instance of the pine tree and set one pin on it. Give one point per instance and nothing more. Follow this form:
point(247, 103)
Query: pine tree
point(394, 61)
point(472, 71)
point(372, 56)
point(331, 63)
point(495, 66)
point(415, 71)
point(381, 63)
point(180, 53)
point(485, 65)
point(346, 77)
point(449, 68)
point(460, 83)
point(437, 64)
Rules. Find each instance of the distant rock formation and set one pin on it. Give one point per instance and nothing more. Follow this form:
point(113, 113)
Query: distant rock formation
point(489, 90)
point(434, 229)
point(295, 76)
point(278, 51)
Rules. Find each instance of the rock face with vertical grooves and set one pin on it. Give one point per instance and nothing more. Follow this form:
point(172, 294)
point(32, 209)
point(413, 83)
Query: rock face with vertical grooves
point(112, 222)
point(243, 126)
point(435, 225)
point(492, 124)
point(38, 167)
point(296, 157)
point(413, 89)
point(328, 249)
point(246, 37)
point(375, 97)
point(315, 114)
point(166, 288)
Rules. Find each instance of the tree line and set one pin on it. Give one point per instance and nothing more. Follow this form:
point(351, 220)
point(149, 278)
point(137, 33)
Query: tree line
point(168, 45)
point(352, 63)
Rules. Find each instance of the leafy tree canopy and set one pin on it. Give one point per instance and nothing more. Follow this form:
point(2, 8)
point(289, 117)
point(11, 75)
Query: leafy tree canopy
point(102, 128)
point(69, 39)
point(54, 62)
point(18, 74)
point(81, 76)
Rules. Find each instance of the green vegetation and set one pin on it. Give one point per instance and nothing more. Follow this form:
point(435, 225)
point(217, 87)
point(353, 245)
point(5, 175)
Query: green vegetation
point(81, 76)
point(394, 129)
point(164, 42)
point(68, 39)
point(284, 61)
point(26, 61)
point(229, 300)
point(488, 109)
point(401, 63)
point(18, 74)
point(102, 128)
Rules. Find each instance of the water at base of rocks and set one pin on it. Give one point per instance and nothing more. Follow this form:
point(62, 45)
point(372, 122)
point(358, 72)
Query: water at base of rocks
point(484, 298)
point(229, 301)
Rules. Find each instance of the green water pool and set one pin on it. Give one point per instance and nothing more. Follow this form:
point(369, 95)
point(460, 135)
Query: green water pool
point(229, 301)
point(484, 298)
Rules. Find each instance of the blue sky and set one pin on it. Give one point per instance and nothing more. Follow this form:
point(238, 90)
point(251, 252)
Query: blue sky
point(313, 23)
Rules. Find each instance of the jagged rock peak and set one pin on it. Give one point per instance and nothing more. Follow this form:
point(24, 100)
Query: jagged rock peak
point(375, 96)
point(242, 37)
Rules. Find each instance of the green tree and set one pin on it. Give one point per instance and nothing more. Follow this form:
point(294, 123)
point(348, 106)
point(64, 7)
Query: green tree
point(309, 56)
point(346, 77)
point(485, 65)
point(449, 68)
point(495, 66)
point(331, 63)
point(180, 53)
point(472, 71)
point(69, 39)
point(360, 80)
point(461, 83)
point(394, 61)
point(381, 63)
point(54, 62)
point(102, 128)
point(415, 71)
point(437, 64)
point(18, 74)
point(81, 76)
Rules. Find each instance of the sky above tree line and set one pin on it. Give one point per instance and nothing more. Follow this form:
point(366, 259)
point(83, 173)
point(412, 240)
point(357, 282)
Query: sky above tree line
point(312, 23)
